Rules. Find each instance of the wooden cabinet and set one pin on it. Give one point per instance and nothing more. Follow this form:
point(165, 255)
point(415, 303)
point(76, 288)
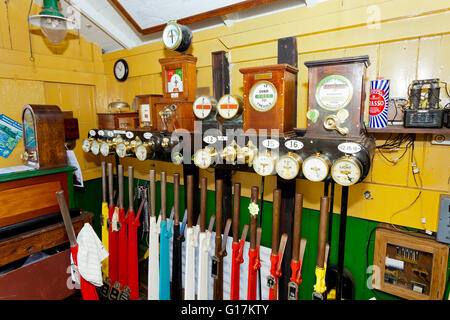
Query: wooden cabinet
point(119, 121)
point(336, 96)
point(31, 194)
point(172, 115)
point(179, 75)
point(147, 112)
point(269, 98)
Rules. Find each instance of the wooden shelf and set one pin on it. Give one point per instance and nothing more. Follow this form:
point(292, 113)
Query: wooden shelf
point(401, 129)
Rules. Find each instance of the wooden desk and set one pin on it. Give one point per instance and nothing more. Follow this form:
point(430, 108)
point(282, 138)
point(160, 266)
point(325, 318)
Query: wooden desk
point(46, 279)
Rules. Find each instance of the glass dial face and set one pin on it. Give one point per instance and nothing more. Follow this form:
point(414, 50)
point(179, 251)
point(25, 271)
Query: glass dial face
point(202, 107)
point(104, 149)
point(120, 70)
point(86, 146)
point(95, 147)
point(263, 96)
point(228, 107)
point(175, 80)
point(171, 36)
point(202, 159)
point(264, 164)
point(334, 92)
point(315, 168)
point(141, 152)
point(287, 167)
point(28, 125)
point(346, 171)
point(121, 150)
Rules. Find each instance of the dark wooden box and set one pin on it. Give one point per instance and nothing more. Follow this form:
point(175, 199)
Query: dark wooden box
point(189, 76)
point(182, 118)
point(28, 198)
point(280, 116)
point(146, 107)
point(44, 136)
point(118, 121)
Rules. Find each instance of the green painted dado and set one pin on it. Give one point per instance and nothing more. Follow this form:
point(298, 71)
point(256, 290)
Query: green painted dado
point(357, 236)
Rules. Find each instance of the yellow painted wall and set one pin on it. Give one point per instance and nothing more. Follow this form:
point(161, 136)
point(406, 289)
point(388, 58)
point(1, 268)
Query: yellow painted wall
point(404, 39)
point(412, 40)
point(70, 75)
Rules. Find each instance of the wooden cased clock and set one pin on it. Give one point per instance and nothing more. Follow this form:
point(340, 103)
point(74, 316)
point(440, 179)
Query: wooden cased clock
point(44, 137)
point(336, 97)
point(269, 98)
point(174, 110)
point(179, 76)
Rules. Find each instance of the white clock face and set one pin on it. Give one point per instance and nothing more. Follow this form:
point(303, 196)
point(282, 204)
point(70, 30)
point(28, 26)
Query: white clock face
point(203, 159)
point(120, 70)
point(346, 171)
point(202, 107)
point(141, 152)
point(264, 164)
point(315, 168)
point(171, 36)
point(228, 106)
point(86, 145)
point(263, 96)
point(95, 147)
point(287, 167)
point(104, 149)
point(121, 150)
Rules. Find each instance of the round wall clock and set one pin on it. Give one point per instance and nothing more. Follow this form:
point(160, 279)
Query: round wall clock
point(176, 37)
point(121, 70)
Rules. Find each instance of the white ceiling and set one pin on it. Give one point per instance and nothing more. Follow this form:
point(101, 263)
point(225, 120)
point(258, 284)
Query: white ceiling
point(103, 24)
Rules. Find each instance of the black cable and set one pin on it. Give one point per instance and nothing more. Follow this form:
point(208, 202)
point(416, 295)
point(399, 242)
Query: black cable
point(396, 143)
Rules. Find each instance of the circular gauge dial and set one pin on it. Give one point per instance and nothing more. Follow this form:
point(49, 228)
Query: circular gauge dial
point(86, 145)
point(288, 166)
point(95, 147)
point(172, 36)
point(263, 96)
point(334, 92)
point(121, 150)
point(264, 163)
point(203, 107)
point(346, 171)
point(203, 158)
point(104, 148)
point(229, 107)
point(316, 167)
point(141, 152)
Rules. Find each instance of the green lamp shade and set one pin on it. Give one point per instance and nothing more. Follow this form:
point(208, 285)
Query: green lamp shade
point(51, 8)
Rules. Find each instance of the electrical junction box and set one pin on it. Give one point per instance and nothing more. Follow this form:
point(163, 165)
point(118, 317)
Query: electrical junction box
point(443, 233)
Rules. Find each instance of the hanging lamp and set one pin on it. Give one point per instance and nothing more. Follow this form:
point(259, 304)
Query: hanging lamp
point(53, 23)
